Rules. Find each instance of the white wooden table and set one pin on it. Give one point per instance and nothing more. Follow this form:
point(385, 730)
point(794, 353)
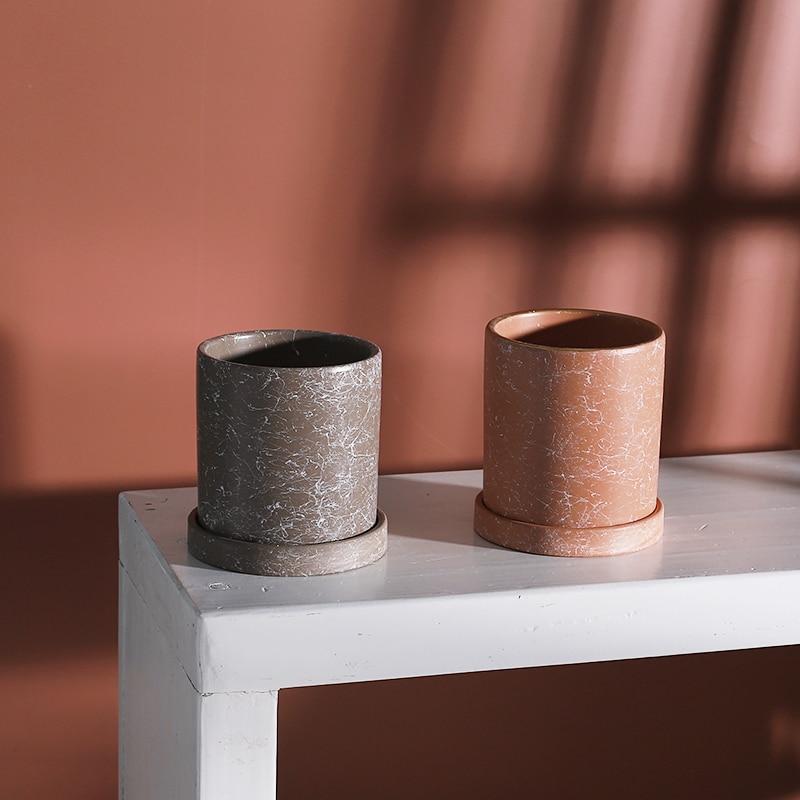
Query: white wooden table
point(203, 653)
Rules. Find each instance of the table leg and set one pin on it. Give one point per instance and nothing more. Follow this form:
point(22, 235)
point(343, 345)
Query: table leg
point(175, 743)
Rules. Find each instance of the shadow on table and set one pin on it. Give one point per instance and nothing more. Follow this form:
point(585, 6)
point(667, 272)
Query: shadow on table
point(442, 512)
point(747, 469)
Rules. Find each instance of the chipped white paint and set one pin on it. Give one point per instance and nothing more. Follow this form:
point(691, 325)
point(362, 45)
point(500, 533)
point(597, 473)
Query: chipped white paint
point(725, 576)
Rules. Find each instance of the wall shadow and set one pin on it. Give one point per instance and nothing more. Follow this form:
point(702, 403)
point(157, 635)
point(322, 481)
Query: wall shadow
point(63, 548)
point(411, 209)
point(58, 664)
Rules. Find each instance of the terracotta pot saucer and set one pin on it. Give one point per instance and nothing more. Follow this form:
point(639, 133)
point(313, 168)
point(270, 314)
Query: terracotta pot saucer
point(550, 540)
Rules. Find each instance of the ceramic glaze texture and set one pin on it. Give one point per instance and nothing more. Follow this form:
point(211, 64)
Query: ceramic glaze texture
point(557, 540)
point(288, 560)
point(572, 418)
point(288, 428)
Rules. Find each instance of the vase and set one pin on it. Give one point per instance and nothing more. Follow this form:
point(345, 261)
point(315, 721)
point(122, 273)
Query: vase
point(572, 422)
point(287, 453)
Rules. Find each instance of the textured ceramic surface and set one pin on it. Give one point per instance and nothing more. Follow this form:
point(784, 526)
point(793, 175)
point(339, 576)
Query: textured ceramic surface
point(554, 540)
point(288, 424)
point(572, 425)
point(288, 560)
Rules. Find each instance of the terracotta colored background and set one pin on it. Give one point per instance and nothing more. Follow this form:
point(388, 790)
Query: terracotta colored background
point(402, 170)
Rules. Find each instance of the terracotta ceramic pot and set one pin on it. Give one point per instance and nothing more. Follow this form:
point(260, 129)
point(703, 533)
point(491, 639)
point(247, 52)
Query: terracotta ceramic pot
point(287, 452)
point(572, 404)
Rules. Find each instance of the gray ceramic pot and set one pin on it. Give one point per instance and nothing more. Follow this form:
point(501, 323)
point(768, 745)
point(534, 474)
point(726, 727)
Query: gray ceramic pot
point(287, 433)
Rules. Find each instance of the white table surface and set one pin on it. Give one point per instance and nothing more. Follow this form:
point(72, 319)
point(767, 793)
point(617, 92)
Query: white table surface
point(726, 576)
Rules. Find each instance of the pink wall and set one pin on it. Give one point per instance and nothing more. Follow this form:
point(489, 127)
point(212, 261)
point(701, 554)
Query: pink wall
point(404, 171)
point(399, 170)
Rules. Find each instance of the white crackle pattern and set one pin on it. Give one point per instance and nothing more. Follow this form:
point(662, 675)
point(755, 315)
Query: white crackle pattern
point(572, 436)
point(288, 560)
point(556, 540)
point(288, 455)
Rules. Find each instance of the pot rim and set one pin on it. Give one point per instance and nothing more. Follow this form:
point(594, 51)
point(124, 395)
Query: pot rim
point(374, 350)
point(657, 332)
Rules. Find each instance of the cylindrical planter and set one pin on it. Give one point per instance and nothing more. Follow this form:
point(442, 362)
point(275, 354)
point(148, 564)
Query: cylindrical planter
point(572, 405)
point(287, 453)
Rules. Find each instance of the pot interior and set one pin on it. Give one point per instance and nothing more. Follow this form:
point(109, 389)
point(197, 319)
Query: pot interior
point(289, 348)
point(576, 329)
